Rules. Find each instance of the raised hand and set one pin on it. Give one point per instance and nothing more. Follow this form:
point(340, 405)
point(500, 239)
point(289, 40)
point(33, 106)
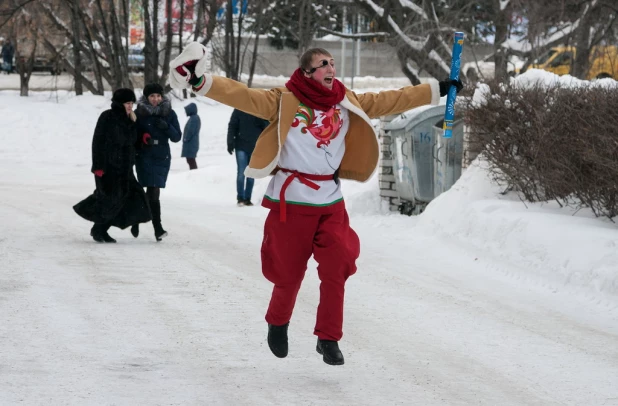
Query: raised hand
point(188, 68)
point(445, 86)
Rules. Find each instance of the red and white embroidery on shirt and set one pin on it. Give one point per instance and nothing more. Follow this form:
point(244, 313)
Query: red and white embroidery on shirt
point(324, 128)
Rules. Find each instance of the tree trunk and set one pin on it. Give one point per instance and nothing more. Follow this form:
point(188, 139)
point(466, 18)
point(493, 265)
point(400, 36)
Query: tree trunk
point(212, 21)
point(581, 62)
point(104, 42)
point(258, 29)
point(25, 70)
point(121, 54)
point(503, 19)
point(197, 28)
point(180, 34)
point(77, 38)
point(151, 46)
point(168, 44)
point(237, 59)
point(229, 40)
point(98, 75)
point(304, 24)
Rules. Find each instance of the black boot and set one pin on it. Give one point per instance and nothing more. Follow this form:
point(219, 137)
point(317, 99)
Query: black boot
point(330, 352)
point(155, 208)
point(135, 230)
point(96, 233)
point(278, 340)
point(99, 233)
point(107, 238)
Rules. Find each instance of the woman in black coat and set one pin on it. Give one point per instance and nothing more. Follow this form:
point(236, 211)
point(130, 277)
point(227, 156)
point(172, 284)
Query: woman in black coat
point(157, 125)
point(118, 199)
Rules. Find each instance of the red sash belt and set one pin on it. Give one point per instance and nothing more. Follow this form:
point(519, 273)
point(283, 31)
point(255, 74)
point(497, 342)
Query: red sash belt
point(305, 179)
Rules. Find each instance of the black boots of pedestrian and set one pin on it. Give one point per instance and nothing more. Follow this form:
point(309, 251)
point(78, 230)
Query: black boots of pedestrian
point(278, 340)
point(99, 233)
point(330, 352)
point(155, 208)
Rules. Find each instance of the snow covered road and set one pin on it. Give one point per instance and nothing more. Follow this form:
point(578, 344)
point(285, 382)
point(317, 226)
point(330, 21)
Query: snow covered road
point(429, 320)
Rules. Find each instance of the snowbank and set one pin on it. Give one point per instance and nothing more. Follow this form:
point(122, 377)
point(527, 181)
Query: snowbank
point(555, 246)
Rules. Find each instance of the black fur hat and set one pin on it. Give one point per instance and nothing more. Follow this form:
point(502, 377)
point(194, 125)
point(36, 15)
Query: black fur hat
point(123, 96)
point(153, 88)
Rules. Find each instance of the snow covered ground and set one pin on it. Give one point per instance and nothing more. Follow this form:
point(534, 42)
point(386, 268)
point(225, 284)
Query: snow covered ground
point(480, 300)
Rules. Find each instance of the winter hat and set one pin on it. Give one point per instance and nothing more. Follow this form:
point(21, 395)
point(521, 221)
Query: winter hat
point(123, 96)
point(153, 88)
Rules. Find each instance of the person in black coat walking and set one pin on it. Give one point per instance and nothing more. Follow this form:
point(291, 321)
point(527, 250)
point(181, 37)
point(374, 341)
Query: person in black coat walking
point(242, 133)
point(157, 125)
point(118, 199)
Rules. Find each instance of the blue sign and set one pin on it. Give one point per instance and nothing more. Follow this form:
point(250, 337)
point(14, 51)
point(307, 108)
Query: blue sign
point(223, 9)
point(449, 115)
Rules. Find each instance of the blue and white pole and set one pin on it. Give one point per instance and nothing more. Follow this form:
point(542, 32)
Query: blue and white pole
point(449, 115)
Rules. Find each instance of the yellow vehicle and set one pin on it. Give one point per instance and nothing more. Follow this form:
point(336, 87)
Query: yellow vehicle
point(558, 60)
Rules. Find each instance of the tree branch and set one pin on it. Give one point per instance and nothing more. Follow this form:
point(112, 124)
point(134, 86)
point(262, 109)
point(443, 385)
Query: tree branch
point(355, 36)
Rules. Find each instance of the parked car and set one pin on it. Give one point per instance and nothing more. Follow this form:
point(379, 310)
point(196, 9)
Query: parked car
point(42, 64)
point(603, 61)
point(486, 68)
point(136, 59)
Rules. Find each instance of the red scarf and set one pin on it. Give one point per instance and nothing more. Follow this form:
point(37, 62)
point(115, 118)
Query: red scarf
point(313, 94)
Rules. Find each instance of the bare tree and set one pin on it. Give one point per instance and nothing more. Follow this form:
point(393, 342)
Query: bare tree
point(9, 10)
point(109, 36)
point(595, 25)
point(209, 13)
point(25, 47)
point(76, 42)
point(168, 42)
point(307, 25)
point(53, 11)
point(420, 39)
point(259, 18)
point(230, 45)
point(151, 46)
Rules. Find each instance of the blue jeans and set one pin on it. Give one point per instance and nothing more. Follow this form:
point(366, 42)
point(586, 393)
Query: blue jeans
point(243, 192)
point(7, 66)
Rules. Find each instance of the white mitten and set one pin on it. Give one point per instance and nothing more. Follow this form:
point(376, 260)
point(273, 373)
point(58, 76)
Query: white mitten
point(188, 67)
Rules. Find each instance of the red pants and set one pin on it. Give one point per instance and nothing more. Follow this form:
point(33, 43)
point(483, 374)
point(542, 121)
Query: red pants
point(286, 249)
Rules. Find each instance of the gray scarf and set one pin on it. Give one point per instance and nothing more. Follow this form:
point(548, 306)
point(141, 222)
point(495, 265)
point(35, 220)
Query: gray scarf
point(144, 108)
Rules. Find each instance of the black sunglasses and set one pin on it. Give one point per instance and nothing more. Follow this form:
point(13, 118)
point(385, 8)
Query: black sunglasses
point(323, 63)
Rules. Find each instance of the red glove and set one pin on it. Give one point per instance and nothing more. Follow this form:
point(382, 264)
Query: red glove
point(99, 173)
point(145, 138)
point(190, 66)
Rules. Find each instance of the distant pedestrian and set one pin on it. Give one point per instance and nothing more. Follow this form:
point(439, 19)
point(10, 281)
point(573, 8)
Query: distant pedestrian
point(8, 52)
point(242, 133)
point(118, 199)
point(191, 136)
point(157, 125)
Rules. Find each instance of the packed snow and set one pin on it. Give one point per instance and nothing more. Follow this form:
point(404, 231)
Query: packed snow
point(480, 300)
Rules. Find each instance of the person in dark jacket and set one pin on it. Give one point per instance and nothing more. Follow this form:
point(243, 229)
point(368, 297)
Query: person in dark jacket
point(242, 133)
point(157, 125)
point(8, 51)
point(191, 136)
point(118, 199)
